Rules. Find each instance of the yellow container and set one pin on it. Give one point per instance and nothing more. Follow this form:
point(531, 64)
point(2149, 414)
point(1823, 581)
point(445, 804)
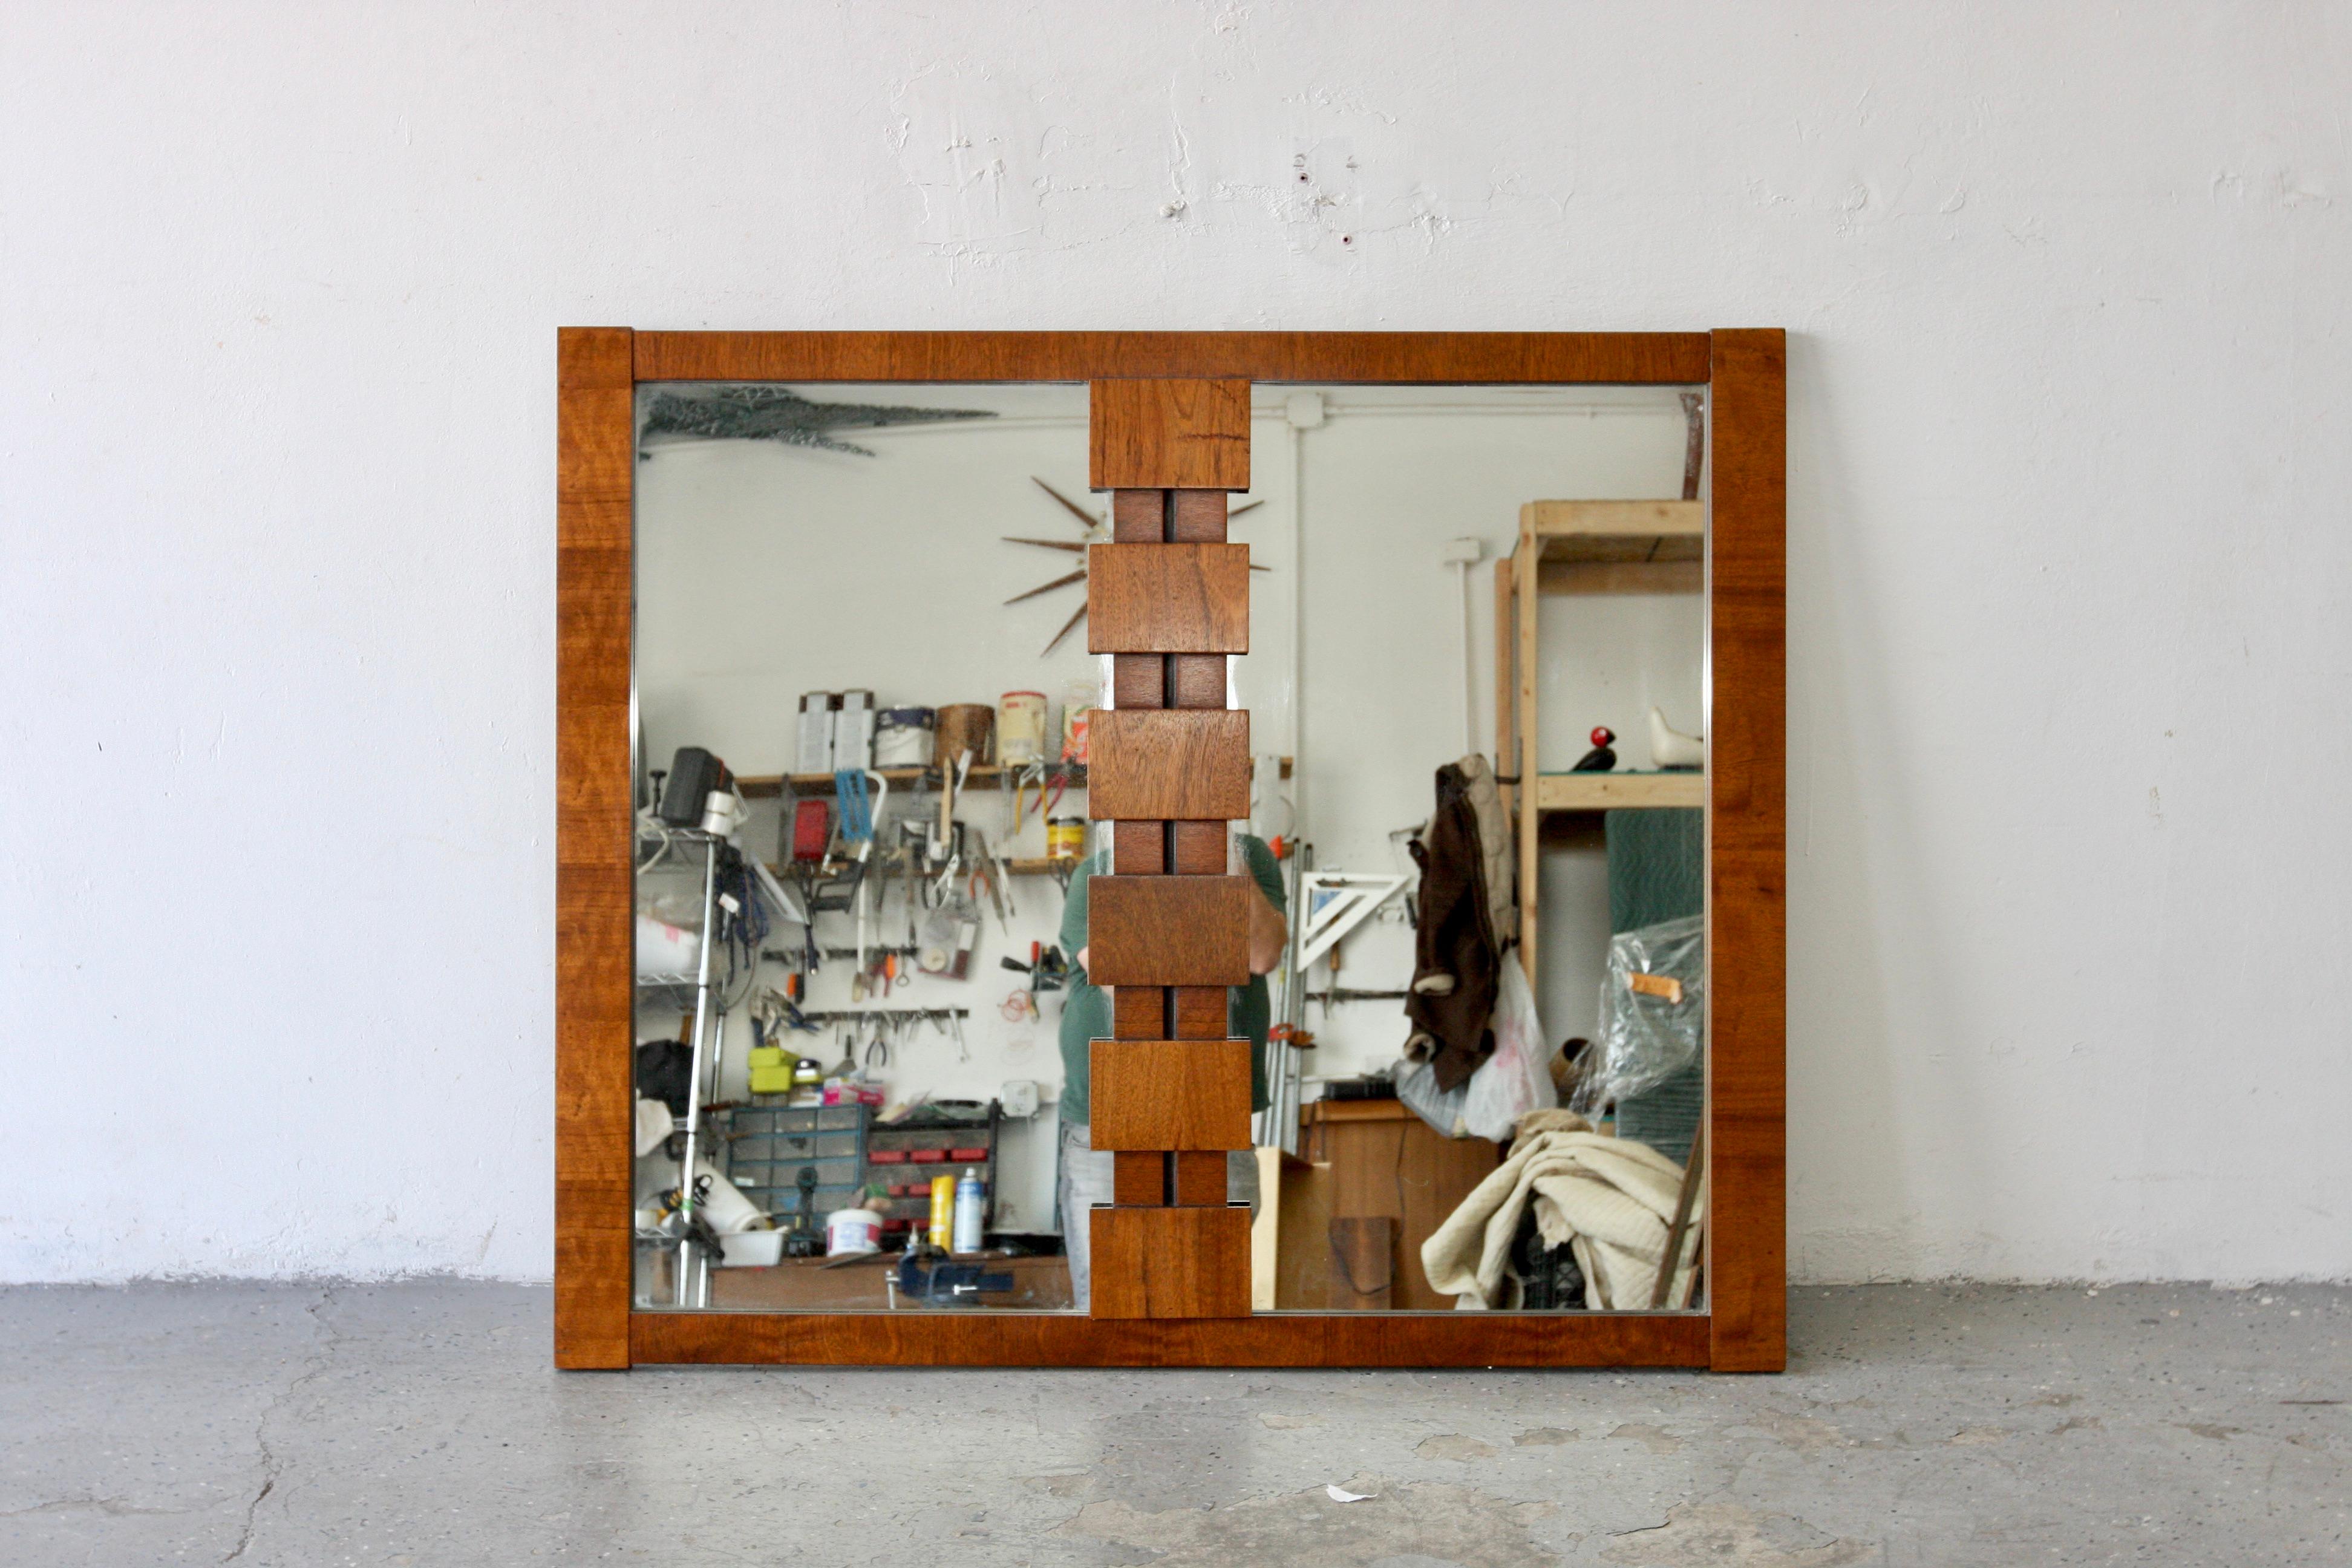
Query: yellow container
point(1066, 839)
point(772, 1070)
point(942, 1211)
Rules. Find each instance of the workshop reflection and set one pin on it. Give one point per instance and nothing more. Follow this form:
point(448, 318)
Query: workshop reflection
point(863, 700)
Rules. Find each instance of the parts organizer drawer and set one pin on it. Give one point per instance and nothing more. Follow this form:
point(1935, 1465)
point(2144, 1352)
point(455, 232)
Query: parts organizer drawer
point(769, 1145)
point(794, 1146)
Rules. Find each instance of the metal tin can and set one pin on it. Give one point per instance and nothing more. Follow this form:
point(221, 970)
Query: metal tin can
point(1021, 728)
point(1066, 837)
point(902, 738)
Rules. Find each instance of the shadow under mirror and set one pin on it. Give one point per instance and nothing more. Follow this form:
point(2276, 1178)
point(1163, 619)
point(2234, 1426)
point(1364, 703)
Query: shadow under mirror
point(862, 697)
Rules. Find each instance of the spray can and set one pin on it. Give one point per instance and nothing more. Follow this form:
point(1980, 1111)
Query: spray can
point(943, 1192)
point(968, 1205)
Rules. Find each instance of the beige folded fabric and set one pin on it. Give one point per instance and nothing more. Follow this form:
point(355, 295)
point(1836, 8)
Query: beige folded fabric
point(1611, 1199)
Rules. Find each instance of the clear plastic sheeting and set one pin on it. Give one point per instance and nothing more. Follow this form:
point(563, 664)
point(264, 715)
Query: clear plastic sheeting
point(1652, 1012)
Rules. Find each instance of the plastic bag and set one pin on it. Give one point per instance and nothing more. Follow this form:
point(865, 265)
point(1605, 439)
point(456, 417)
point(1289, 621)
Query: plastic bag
point(1416, 1085)
point(1514, 1079)
point(1506, 1085)
point(1652, 1012)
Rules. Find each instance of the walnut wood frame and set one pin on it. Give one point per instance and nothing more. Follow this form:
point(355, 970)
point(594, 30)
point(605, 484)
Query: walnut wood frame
point(1744, 1325)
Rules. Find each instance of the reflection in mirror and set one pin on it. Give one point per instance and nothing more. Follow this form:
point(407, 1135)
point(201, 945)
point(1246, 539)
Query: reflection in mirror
point(875, 1070)
point(1500, 683)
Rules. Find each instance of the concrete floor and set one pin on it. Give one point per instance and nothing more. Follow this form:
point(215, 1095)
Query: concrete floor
point(420, 1423)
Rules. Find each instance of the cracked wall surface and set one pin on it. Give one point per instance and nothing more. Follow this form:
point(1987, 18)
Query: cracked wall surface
point(2067, 372)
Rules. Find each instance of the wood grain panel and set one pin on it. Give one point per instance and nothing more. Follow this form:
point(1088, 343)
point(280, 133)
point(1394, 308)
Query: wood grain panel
point(1198, 517)
point(1139, 680)
point(1633, 359)
point(1168, 433)
point(1148, 762)
point(593, 993)
point(1170, 1094)
point(1168, 598)
point(1198, 849)
point(1196, 680)
point(1139, 1011)
point(602, 357)
point(1138, 848)
point(1202, 1013)
point(592, 594)
point(1139, 517)
point(1170, 1263)
point(1202, 1178)
point(1071, 1338)
point(1746, 1261)
point(1139, 1179)
point(1385, 1162)
point(1169, 931)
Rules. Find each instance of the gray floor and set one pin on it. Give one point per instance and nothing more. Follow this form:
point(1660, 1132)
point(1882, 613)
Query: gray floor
point(420, 1423)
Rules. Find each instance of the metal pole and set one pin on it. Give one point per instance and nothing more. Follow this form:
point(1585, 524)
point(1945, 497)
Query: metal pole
point(685, 1292)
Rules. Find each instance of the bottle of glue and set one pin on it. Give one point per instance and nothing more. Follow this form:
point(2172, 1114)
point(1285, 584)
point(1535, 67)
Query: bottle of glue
point(968, 1203)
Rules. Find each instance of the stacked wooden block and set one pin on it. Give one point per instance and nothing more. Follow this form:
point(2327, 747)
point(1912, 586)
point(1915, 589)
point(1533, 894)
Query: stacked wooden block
point(1169, 600)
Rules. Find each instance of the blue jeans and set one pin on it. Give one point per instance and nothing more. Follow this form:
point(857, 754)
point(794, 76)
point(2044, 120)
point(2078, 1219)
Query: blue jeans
point(1085, 1180)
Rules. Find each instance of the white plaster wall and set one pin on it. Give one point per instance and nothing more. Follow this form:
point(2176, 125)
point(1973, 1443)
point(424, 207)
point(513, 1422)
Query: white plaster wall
point(2067, 665)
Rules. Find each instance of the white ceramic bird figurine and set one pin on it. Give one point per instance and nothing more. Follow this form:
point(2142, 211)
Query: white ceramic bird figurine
point(1670, 748)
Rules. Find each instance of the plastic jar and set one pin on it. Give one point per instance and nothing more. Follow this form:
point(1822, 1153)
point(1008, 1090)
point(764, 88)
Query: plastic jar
point(853, 1230)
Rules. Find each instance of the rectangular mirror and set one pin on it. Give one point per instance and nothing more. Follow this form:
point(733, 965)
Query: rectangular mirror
point(1205, 829)
point(842, 590)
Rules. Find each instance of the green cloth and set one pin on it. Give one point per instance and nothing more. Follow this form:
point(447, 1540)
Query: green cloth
point(1657, 864)
point(1086, 1017)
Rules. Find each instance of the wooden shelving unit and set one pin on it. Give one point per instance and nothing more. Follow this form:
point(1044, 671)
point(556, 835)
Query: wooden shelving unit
point(1617, 791)
point(1576, 547)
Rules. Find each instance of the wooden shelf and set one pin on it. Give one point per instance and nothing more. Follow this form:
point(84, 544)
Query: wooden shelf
point(1581, 547)
point(769, 785)
point(1619, 792)
point(1041, 867)
point(1018, 868)
point(1617, 546)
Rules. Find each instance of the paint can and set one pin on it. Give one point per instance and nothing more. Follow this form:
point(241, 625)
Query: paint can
point(1066, 839)
point(902, 738)
point(965, 726)
point(1021, 728)
point(851, 1230)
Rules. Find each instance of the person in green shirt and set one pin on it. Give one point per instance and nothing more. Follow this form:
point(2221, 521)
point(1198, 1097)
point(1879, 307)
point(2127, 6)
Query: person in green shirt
point(1084, 1179)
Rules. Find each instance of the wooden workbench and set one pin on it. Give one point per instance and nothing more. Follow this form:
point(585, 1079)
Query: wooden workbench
point(1369, 1158)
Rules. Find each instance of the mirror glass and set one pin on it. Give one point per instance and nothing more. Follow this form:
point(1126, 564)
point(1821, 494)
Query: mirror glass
point(842, 590)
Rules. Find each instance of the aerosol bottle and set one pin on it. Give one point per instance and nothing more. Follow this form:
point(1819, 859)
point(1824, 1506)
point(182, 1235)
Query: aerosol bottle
point(967, 1211)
